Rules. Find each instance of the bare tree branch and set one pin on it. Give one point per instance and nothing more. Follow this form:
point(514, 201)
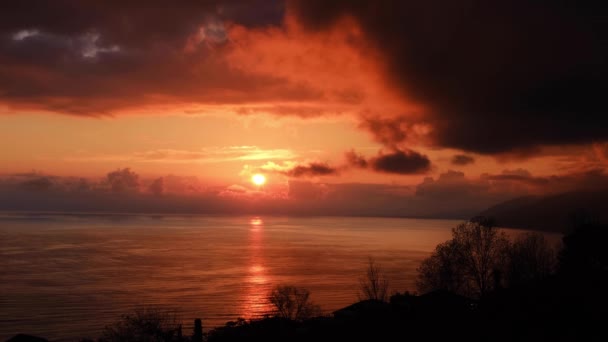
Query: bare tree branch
point(374, 285)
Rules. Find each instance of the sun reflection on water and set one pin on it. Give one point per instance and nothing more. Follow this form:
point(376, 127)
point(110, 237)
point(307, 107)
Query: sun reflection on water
point(256, 222)
point(257, 280)
point(256, 269)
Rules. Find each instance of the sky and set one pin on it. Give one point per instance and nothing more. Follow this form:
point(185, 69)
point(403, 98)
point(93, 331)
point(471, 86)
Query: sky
point(349, 107)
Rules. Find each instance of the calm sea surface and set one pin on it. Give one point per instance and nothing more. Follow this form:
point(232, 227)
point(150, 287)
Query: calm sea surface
point(66, 277)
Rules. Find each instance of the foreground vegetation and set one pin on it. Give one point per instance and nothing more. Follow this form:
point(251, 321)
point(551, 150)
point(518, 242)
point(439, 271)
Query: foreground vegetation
point(478, 286)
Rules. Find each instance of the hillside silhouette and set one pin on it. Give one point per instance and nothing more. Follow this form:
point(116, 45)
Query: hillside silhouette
point(553, 213)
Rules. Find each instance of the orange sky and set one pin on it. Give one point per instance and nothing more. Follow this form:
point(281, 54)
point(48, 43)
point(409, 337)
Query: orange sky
point(213, 147)
point(303, 93)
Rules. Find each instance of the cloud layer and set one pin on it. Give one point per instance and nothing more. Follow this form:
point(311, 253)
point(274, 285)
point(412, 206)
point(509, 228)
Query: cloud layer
point(102, 57)
point(397, 161)
point(494, 77)
point(478, 78)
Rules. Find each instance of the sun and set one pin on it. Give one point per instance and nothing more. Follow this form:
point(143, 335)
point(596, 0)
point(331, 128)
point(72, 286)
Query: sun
point(258, 179)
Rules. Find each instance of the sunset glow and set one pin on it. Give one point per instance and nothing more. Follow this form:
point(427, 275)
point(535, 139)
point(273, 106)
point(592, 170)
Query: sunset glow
point(234, 159)
point(335, 113)
point(258, 179)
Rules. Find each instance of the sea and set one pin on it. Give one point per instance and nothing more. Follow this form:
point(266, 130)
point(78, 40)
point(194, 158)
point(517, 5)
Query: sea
point(67, 276)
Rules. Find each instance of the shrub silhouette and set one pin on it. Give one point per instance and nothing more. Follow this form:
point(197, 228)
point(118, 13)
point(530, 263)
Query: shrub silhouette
point(293, 303)
point(144, 325)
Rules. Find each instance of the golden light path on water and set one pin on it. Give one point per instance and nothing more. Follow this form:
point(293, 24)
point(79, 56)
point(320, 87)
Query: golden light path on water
point(255, 303)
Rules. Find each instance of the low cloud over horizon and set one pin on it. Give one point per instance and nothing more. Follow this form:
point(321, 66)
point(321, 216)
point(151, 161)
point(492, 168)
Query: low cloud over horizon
point(450, 195)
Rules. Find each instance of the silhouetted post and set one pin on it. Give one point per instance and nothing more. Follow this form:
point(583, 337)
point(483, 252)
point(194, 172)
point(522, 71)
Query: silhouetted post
point(179, 333)
point(198, 331)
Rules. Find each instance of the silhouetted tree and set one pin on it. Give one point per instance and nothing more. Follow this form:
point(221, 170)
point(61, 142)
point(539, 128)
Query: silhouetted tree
point(293, 303)
point(374, 285)
point(144, 325)
point(531, 258)
point(581, 218)
point(584, 255)
point(468, 264)
point(442, 270)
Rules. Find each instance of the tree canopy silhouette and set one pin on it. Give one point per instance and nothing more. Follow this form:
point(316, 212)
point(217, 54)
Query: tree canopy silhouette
point(531, 258)
point(471, 263)
point(293, 303)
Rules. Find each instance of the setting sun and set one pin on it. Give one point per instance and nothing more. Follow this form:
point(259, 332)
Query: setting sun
point(258, 179)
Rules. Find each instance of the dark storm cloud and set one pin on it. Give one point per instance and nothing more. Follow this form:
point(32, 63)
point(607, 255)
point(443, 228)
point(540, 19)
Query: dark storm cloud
point(93, 57)
point(134, 23)
point(497, 76)
point(462, 159)
point(397, 161)
point(401, 162)
point(311, 170)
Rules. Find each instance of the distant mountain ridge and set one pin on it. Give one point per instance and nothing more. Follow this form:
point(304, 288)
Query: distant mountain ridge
point(553, 213)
